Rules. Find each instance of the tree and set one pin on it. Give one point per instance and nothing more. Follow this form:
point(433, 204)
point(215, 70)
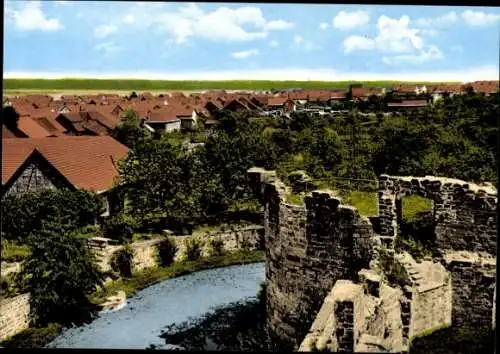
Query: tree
point(130, 130)
point(60, 274)
point(159, 182)
point(24, 214)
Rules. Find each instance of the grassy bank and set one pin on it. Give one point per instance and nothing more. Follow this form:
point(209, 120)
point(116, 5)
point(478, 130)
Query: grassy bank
point(158, 85)
point(39, 337)
point(148, 277)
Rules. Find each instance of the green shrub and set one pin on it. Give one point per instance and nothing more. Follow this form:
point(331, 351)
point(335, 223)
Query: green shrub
point(412, 246)
point(167, 250)
point(119, 227)
point(142, 236)
point(395, 273)
point(245, 245)
point(216, 247)
point(24, 214)
point(8, 287)
point(14, 252)
point(91, 231)
point(193, 249)
point(121, 261)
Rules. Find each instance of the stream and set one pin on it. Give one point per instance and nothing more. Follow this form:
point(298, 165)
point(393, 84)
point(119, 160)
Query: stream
point(141, 321)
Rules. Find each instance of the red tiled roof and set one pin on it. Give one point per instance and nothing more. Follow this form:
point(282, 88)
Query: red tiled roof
point(50, 124)
point(31, 128)
point(87, 162)
point(276, 101)
point(408, 103)
point(6, 133)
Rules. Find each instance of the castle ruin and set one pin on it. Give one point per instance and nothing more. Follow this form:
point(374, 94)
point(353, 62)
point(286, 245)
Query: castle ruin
point(326, 288)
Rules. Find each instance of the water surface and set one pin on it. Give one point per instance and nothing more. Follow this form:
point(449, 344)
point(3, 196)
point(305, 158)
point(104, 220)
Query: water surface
point(139, 323)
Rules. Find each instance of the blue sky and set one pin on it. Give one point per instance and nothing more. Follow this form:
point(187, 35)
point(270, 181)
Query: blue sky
point(249, 41)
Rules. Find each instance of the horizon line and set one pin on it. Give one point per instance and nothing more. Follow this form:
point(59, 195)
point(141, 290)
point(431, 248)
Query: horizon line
point(273, 74)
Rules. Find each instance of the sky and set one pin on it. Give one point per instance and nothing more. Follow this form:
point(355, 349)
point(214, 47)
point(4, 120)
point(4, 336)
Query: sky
point(231, 41)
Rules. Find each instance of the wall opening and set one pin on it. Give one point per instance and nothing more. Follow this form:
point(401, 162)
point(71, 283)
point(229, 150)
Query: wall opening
point(416, 224)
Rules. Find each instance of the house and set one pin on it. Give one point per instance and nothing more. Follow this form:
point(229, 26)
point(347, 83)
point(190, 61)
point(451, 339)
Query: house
point(162, 120)
point(281, 104)
point(73, 162)
point(32, 128)
point(86, 123)
point(407, 104)
point(236, 105)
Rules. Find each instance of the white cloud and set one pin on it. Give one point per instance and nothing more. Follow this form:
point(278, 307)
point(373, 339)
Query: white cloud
point(129, 19)
point(108, 48)
point(477, 18)
point(31, 17)
point(61, 2)
point(350, 20)
point(426, 55)
point(439, 21)
point(323, 26)
point(245, 23)
point(353, 43)
point(429, 32)
point(304, 44)
point(470, 17)
point(274, 44)
point(395, 36)
point(279, 25)
point(105, 31)
point(490, 72)
point(245, 54)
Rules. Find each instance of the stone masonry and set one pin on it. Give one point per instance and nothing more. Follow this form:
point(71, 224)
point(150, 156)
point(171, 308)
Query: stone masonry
point(464, 213)
point(316, 252)
point(308, 248)
point(14, 315)
point(145, 251)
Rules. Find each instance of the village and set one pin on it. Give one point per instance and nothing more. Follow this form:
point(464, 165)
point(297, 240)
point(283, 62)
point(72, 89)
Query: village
point(95, 116)
point(120, 167)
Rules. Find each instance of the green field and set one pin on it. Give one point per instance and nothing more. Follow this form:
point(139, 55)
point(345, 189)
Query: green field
point(57, 85)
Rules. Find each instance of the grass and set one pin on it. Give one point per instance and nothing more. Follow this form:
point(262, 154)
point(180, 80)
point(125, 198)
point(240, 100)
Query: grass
point(295, 199)
point(12, 252)
point(148, 277)
point(365, 202)
point(45, 85)
point(414, 205)
point(34, 337)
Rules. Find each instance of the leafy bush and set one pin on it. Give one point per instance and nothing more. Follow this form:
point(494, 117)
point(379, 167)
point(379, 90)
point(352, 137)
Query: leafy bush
point(193, 249)
point(121, 261)
point(24, 214)
point(9, 286)
point(412, 246)
point(167, 250)
point(216, 247)
point(14, 252)
point(245, 245)
point(119, 227)
point(91, 231)
point(60, 273)
point(394, 272)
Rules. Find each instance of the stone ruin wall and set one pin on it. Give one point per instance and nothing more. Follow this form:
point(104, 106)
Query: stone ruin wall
point(308, 248)
point(311, 248)
point(145, 251)
point(465, 214)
